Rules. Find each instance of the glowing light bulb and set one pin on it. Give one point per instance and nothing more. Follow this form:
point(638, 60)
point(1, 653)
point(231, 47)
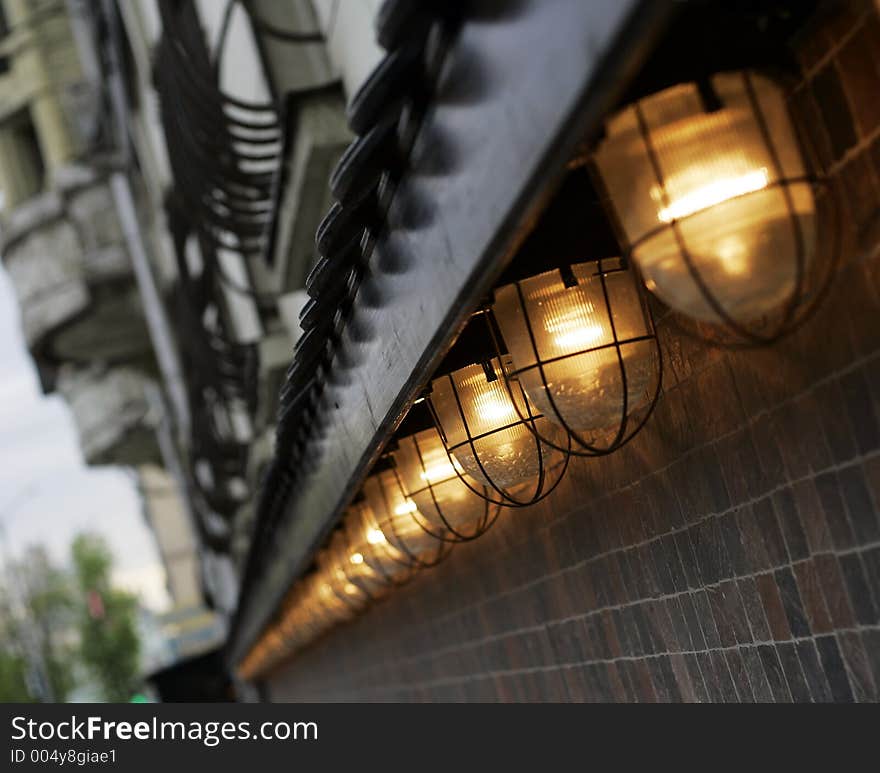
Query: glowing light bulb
point(711, 194)
point(494, 410)
point(438, 472)
point(405, 508)
point(356, 558)
point(574, 334)
point(375, 537)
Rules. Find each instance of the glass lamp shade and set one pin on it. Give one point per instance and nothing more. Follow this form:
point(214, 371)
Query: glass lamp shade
point(349, 559)
point(395, 517)
point(714, 204)
point(430, 478)
point(571, 360)
point(333, 573)
point(484, 424)
point(389, 563)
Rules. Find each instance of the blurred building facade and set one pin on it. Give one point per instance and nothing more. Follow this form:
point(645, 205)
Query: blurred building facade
point(67, 243)
point(147, 313)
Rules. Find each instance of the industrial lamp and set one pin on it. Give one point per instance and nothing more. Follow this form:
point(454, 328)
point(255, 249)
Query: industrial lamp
point(583, 348)
point(349, 564)
point(494, 434)
point(332, 571)
point(388, 562)
point(392, 525)
point(709, 187)
point(447, 508)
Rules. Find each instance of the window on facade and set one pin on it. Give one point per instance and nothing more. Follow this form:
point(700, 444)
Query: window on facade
point(22, 170)
point(4, 34)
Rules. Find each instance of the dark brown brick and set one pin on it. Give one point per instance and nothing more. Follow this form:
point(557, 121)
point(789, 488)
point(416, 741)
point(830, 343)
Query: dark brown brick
point(757, 676)
point(860, 186)
point(858, 590)
point(754, 609)
point(794, 675)
point(834, 590)
point(835, 423)
point(683, 678)
point(792, 603)
point(860, 73)
point(773, 609)
point(696, 676)
point(812, 516)
point(833, 107)
point(775, 674)
point(774, 543)
point(810, 586)
point(858, 667)
point(860, 409)
point(828, 487)
point(835, 671)
point(859, 506)
point(813, 672)
point(752, 541)
point(643, 682)
point(740, 676)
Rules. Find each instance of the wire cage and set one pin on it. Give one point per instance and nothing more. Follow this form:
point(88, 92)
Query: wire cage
point(390, 523)
point(584, 350)
point(712, 194)
point(493, 435)
point(348, 564)
point(447, 508)
point(332, 569)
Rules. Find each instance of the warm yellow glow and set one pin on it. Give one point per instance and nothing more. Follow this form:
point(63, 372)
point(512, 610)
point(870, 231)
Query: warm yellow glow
point(575, 333)
point(405, 507)
point(431, 479)
point(580, 383)
point(356, 558)
point(438, 472)
point(483, 426)
point(710, 194)
point(350, 589)
point(375, 537)
point(491, 409)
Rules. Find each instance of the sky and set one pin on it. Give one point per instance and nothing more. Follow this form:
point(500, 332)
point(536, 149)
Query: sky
point(47, 493)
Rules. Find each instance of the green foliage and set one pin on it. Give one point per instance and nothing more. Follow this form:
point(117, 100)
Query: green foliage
point(13, 684)
point(36, 611)
point(52, 620)
point(52, 603)
point(107, 622)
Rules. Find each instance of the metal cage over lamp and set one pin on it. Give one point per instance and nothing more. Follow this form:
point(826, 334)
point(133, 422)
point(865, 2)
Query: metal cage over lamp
point(390, 565)
point(711, 191)
point(448, 509)
point(349, 563)
point(389, 513)
point(583, 348)
point(331, 563)
point(493, 435)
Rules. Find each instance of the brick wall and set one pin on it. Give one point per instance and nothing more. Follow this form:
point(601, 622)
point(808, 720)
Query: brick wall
point(731, 552)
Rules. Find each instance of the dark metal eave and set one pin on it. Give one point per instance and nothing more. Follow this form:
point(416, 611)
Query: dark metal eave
point(524, 83)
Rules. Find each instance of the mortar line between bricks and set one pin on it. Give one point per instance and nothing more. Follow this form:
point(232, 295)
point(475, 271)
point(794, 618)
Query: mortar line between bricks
point(858, 629)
